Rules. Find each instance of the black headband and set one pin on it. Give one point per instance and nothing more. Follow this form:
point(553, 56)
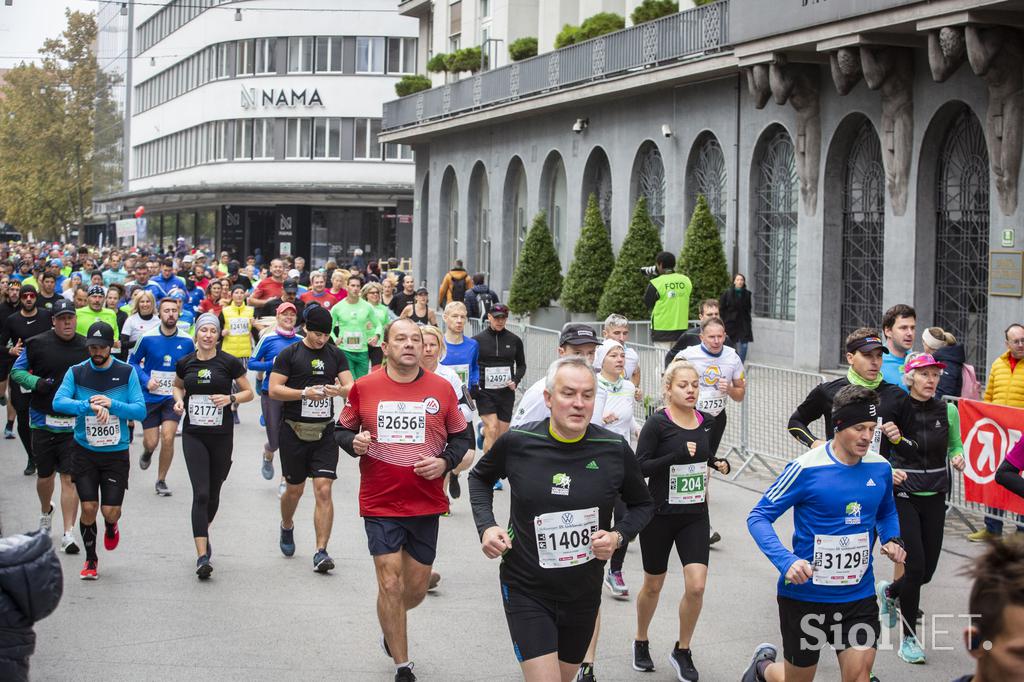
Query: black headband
point(854, 413)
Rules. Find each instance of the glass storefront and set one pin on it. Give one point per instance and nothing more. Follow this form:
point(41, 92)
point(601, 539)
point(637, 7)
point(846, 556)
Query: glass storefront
point(337, 232)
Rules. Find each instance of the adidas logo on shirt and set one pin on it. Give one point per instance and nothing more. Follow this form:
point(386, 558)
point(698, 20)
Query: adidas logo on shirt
point(871, 483)
point(592, 465)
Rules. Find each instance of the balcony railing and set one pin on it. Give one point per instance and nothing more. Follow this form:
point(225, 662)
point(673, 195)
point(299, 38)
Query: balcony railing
point(691, 33)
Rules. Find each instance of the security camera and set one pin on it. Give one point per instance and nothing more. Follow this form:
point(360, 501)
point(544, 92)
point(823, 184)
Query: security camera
point(666, 131)
point(580, 125)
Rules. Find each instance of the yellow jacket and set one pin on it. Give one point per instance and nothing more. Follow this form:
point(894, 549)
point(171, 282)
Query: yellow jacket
point(1005, 386)
point(238, 341)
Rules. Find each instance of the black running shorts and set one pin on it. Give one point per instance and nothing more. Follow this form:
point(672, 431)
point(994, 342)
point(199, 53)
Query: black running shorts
point(688, 532)
point(308, 459)
point(53, 452)
point(499, 401)
point(158, 413)
point(808, 627)
point(541, 626)
point(101, 476)
point(417, 535)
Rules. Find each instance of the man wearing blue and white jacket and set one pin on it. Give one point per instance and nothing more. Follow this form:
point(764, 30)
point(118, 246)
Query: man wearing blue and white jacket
point(841, 496)
point(167, 281)
point(154, 358)
point(103, 394)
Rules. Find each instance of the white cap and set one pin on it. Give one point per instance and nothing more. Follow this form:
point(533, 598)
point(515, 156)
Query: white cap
point(602, 352)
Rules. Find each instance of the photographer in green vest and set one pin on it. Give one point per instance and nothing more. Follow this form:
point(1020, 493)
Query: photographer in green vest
point(668, 296)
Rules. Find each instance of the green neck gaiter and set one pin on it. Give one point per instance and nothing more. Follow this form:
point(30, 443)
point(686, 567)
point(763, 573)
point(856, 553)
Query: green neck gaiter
point(858, 380)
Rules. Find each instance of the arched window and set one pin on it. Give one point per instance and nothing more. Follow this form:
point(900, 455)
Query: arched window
point(962, 237)
point(515, 211)
point(450, 214)
point(649, 181)
point(775, 222)
point(863, 243)
point(707, 178)
point(597, 180)
point(553, 201)
point(480, 219)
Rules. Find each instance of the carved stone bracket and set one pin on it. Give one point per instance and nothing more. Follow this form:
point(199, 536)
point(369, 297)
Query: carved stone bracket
point(890, 70)
point(800, 86)
point(846, 70)
point(946, 52)
point(757, 84)
point(996, 55)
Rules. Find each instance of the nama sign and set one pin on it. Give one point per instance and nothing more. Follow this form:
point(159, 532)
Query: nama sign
point(253, 98)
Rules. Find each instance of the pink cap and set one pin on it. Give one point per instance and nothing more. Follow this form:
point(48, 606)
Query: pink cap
point(920, 361)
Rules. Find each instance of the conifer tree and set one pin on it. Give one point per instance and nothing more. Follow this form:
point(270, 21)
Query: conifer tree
point(703, 257)
point(537, 279)
point(624, 291)
point(592, 262)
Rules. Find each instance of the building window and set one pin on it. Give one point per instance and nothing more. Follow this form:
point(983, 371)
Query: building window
point(398, 152)
point(485, 9)
point(454, 42)
point(300, 54)
point(298, 138)
point(327, 138)
point(401, 55)
point(265, 55)
point(650, 184)
point(707, 178)
point(221, 60)
point(775, 230)
point(366, 146)
point(220, 141)
point(243, 139)
point(328, 54)
point(263, 138)
point(245, 58)
point(455, 17)
point(369, 55)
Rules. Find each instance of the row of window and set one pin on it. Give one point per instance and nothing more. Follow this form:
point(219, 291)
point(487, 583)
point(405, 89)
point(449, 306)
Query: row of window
point(259, 56)
point(169, 19)
point(291, 139)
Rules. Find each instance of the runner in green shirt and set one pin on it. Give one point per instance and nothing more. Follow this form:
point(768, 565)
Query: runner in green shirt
point(354, 323)
point(96, 310)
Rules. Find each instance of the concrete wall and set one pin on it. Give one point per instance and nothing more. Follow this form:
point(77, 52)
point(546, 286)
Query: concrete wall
point(723, 108)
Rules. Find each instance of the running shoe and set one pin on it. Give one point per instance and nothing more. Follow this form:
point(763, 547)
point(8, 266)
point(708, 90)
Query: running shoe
point(203, 567)
point(586, 673)
point(642, 660)
point(111, 536)
point(982, 535)
point(322, 561)
point(910, 651)
point(9, 432)
point(614, 582)
point(30, 468)
point(68, 544)
point(162, 490)
point(46, 521)
point(498, 485)
point(145, 459)
point(287, 541)
point(89, 571)
point(682, 661)
point(267, 469)
point(873, 677)
point(435, 580)
point(715, 537)
point(763, 652)
point(404, 674)
point(209, 548)
point(454, 489)
point(886, 604)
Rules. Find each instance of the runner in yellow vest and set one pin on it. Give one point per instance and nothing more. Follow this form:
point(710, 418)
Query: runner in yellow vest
point(237, 327)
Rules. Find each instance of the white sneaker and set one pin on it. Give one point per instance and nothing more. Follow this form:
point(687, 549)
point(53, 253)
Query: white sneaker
point(46, 521)
point(68, 544)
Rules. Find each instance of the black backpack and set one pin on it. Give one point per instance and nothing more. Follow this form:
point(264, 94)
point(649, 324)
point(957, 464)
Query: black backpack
point(458, 289)
point(484, 301)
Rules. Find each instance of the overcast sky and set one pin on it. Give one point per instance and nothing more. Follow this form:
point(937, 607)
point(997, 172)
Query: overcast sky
point(27, 23)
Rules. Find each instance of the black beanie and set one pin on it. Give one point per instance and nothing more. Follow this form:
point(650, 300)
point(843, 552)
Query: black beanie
point(318, 320)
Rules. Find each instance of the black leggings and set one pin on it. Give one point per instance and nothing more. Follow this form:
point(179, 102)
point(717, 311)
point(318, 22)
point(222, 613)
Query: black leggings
point(922, 521)
point(208, 458)
point(620, 554)
point(717, 430)
point(20, 401)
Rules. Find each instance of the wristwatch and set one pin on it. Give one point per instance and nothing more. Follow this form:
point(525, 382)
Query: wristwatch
point(622, 539)
point(897, 539)
point(233, 400)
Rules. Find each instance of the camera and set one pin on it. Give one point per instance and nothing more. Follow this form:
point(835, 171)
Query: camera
point(649, 270)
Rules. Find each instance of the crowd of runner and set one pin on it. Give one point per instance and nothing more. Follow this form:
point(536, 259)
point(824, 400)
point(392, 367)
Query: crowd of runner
point(106, 350)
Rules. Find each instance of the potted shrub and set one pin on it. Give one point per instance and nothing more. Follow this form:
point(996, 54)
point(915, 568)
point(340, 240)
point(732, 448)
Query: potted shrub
point(649, 10)
point(537, 280)
point(593, 260)
point(624, 290)
point(409, 85)
point(522, 48)
point(703, 258)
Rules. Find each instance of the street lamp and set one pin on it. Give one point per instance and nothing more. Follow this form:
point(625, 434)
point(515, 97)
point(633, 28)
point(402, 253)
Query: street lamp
point(483, 49)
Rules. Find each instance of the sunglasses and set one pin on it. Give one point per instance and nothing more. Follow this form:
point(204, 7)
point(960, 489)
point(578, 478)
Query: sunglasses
point(28, 295)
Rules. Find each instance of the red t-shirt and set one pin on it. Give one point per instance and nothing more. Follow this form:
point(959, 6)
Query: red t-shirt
point(386, 408)
point(325, 299)
point(268, 288)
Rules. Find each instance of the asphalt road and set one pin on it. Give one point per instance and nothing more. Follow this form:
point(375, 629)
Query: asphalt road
point(266, 617)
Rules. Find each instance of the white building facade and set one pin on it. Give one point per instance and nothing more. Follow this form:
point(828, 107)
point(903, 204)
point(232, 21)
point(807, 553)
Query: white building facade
point(253, 125)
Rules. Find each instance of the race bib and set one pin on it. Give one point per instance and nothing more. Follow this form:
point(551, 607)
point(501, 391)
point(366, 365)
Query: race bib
point(687, 483)
point(202, 411)
point(463, 372)
point(352, 341)
point(563, 538)
point(317, 408)
point(711, 405)
point(238, 326)
point(401, 422)
point(60, 422)
point(841, 559)
point(164, 382)
point(497, 377)
point(102, 435)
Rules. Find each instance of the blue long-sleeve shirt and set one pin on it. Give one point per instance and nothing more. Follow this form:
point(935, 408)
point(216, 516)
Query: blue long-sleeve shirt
point(166, 284)
point(892, 370)
point(118, 381)
point(462, 358)
point(156, 352)
point(828, 498)
point(262, 359)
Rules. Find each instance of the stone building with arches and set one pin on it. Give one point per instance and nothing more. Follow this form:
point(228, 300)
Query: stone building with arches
point(854, 155)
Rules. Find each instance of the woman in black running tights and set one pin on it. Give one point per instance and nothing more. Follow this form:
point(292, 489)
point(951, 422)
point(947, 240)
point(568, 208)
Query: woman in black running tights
point(202, 392)
point(675, 454)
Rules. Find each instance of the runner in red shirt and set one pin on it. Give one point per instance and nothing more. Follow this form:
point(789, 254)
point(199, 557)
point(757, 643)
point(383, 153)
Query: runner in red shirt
point(405, 426)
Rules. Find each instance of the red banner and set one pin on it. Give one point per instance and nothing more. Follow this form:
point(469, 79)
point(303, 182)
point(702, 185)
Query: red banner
point(988, 432)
